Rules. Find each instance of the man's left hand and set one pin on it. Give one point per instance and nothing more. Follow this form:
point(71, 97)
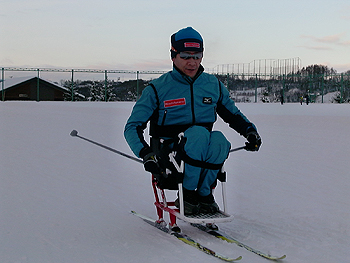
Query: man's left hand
point(254, 141)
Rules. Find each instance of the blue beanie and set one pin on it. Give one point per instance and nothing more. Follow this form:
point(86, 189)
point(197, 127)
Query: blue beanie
point(186, 39)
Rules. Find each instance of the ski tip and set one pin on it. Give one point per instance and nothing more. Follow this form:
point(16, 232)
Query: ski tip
point(236, 259)
point(277, 258)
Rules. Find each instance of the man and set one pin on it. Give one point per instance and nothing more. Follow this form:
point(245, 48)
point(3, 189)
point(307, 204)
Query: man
point(187, 100)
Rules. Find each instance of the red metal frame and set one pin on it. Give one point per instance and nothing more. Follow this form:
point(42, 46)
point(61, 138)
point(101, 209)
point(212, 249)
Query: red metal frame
point(162, 205)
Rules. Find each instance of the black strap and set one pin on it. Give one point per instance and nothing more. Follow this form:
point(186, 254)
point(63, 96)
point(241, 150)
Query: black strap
point(201, 164)
point(220, 92)
point(155, 92)
point(172, 131)
point(197, 163)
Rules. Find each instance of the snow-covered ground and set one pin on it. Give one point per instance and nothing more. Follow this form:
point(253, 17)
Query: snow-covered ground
point(66, 200)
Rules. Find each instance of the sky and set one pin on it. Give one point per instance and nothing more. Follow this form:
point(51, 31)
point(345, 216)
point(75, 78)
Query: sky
point(135, 34)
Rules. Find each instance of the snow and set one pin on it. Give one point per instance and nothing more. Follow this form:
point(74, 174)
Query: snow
point(64, 199)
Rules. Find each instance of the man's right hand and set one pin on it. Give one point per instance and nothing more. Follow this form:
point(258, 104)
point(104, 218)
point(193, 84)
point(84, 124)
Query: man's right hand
point(151, 162)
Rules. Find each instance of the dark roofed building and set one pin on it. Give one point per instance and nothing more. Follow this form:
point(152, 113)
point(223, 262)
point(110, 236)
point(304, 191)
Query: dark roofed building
point(33, 88)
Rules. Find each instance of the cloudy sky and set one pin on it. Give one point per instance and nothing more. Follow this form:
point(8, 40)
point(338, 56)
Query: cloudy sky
point(135, 34)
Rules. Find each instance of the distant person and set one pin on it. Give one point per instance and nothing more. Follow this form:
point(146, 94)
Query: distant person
point(307, 98)
point(301, 100)
point(187, 100)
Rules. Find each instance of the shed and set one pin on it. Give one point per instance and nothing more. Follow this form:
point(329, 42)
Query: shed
point(32, 88)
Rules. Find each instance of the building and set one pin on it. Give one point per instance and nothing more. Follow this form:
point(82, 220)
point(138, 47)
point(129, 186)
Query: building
point(32, 88)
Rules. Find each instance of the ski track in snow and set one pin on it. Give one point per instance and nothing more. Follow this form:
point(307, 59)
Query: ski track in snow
point(66, 200)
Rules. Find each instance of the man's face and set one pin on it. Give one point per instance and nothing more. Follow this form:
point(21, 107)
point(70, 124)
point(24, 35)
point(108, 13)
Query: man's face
point(189, 66)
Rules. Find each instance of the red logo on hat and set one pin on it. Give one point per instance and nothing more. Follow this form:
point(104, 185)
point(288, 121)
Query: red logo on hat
point(175, 102)
point(192, 44)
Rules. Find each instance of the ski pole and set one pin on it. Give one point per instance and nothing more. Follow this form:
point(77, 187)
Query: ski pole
point(74, 133)
point(237, 149)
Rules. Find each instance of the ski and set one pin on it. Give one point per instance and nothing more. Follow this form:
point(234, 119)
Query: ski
point(185, 238)
point(221, 235)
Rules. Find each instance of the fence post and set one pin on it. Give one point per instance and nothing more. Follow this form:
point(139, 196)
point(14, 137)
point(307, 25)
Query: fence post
point(311, 80)
point(2, 84)
point(137, 86)
point(72, 85)
point(256, 88)
point(283, 87)
point(38, 87)
point(322, 85)
point(228, 77)
point(341, 88)
point(105, 85)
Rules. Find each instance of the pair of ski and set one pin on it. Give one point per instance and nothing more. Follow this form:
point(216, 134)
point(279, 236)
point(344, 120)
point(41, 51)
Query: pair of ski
point(216, 233)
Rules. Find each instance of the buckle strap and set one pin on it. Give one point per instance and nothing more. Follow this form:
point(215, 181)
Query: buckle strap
point(180, 148)
point(197, 163)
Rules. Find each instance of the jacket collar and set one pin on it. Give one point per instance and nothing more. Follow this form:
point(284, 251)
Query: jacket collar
point(181, 76)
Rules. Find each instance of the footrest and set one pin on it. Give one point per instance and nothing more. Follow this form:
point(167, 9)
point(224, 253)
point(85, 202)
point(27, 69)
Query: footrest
point(204, 218)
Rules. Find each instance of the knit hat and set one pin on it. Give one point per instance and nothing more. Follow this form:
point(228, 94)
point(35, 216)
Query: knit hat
point(186, 39)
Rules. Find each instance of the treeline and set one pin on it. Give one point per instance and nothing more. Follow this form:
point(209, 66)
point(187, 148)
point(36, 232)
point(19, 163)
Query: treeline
point(103, 90)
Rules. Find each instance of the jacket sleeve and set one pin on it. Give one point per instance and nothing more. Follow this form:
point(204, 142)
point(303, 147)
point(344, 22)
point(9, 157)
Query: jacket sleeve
point(229, 112)
point(137, 122)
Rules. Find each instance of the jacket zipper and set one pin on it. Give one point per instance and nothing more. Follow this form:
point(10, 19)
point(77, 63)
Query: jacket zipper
point(192, 104)
point(163, 120)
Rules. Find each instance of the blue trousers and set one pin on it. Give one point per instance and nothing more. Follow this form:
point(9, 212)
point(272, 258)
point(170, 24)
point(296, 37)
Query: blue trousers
point(202, 145)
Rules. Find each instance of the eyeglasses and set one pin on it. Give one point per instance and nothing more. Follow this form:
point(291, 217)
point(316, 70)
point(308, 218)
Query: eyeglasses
point(185, 55)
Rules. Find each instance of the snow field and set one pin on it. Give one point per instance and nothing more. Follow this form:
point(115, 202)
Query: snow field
point(66, 200)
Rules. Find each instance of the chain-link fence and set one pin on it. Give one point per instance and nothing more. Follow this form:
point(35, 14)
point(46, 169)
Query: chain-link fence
point(124, 85)
point(313, 88)
point(74, 84)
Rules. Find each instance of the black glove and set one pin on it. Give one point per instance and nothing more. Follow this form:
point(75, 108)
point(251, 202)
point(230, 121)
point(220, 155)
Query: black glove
point(254, 141)
point(151, 162)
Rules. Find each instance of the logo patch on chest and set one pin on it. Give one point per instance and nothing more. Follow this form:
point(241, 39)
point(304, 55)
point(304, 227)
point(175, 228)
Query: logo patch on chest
point(175, 102)
point(207, 100)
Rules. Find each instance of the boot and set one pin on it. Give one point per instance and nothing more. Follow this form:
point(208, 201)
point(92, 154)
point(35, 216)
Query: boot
point(191, 205)
point(207, 204)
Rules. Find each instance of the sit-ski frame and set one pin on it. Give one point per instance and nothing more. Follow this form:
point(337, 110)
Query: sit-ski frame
point(162, 204)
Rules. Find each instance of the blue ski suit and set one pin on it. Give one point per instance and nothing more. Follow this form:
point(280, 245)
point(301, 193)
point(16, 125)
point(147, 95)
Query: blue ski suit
point(176, 103)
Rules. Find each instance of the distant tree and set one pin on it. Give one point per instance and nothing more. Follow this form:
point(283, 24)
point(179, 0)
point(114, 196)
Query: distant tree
point(316, 70)
point(127, 91)
point(317, 79)
point(102, 91)
point(73, 91)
